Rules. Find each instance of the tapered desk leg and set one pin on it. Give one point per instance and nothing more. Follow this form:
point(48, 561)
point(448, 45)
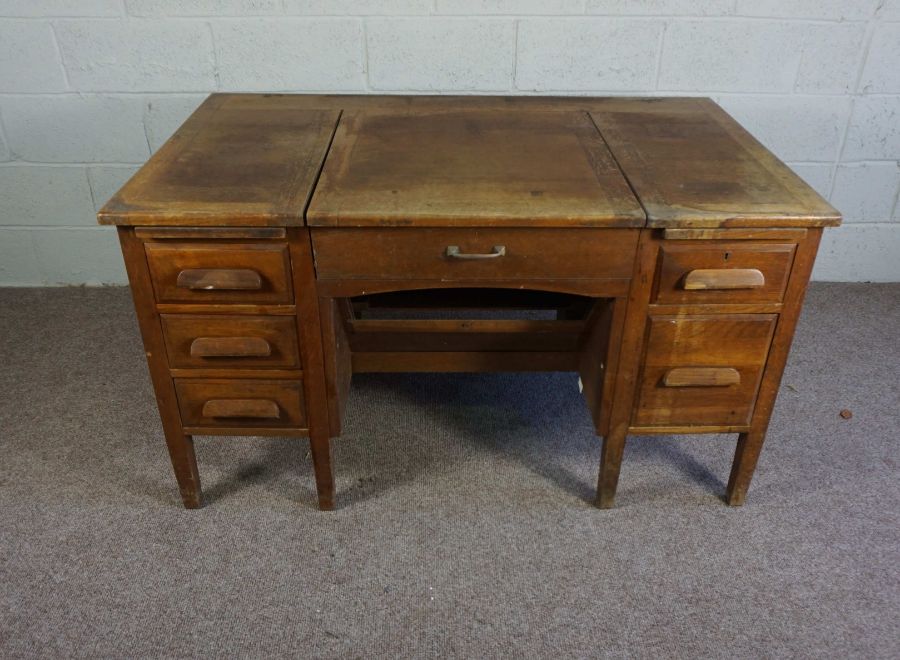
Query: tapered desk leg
point(629, 349)
point(610, 463)
point(749, 446)
point(320, 447)
point(184, 464)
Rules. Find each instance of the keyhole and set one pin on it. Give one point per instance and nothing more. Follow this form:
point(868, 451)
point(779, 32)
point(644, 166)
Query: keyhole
point(727, 254)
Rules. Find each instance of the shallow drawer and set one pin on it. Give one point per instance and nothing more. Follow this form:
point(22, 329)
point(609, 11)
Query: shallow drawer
point(218, 403)
point(723, 272)
point(197, 340)
point(703, 370)
point(220, 273)
point(474, 254)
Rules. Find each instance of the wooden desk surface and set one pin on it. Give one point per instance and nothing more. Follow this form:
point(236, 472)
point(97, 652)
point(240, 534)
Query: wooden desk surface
point(471, 168)
point(249, 317)
point(254, 160)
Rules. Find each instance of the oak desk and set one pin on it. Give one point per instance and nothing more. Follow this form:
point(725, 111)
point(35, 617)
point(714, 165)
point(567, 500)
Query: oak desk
point(672, 249)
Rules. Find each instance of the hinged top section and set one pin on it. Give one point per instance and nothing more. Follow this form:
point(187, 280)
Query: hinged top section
point(692, 165)
point(254, 159)
point(229, 166)
point(471, 167)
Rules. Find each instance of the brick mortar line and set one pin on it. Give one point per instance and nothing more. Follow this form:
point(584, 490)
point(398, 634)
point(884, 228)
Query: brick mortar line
point(568, 91)
point(660, 46)
point(469, 17)
point(854, 96)
point(59, 56)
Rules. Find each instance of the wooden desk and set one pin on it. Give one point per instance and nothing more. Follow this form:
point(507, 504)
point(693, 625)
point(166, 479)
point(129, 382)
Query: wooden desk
point(672, 249)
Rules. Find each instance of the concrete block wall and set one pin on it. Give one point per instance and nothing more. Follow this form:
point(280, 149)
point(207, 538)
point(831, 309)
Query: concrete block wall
point(90, 88)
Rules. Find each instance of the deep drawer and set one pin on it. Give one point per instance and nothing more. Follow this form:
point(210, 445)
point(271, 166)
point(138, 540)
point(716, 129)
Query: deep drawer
point(702, 370)
point(219, 403)
point(474, 254)
point(220, 273)
point(198, 340)
point(733, 272)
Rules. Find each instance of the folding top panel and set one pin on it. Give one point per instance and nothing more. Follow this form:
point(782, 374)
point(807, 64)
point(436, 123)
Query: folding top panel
point(692, 165)
point(478, 167)
point(230, 166)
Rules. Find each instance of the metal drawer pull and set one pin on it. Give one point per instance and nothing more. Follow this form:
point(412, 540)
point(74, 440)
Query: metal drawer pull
point(230, 347)
point(724, 278)
point(454, 253)
point(701, 377)
point(219, 279)
point(257, 408)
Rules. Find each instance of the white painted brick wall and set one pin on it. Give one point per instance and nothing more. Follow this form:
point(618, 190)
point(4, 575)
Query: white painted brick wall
point(432, 55)
point(562, 54)
point(89, 88)
point(137, 56)
point(309, 54)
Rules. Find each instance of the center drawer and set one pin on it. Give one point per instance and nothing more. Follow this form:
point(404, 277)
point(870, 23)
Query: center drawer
point(703, 370)
point(230, 341)
point(473, 254)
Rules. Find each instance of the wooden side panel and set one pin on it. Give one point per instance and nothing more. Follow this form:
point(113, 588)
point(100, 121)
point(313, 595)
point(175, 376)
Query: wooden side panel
point(626, 374)
point(336, 350)
point(594, 354)
point(180, 445)
point(750, 444)
point(310, 340)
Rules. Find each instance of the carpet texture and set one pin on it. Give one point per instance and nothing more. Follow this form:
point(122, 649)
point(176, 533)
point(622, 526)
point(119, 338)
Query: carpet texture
point(465, 527)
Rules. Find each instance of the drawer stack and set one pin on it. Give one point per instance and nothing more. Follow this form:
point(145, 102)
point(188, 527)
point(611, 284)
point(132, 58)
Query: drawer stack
point(228, 317)
point(712, 316)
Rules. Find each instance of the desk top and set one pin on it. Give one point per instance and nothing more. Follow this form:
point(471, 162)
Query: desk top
point(284, 160)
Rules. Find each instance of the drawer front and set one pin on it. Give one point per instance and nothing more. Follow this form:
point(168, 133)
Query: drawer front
point(723, 272)
point(219, 403)
point(220, 273)
point(197, 340)
point(474, 254)
point(703, 370)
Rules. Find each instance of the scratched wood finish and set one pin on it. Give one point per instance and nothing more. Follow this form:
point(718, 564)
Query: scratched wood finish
point(695, 241)
point(471, 168)
point(226, 166)
point(700, 168)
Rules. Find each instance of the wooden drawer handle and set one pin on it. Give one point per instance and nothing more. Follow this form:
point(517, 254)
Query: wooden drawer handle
point(702, 377)
point(454, 252)
point(219, 279)
point(213, 347)
point(724, 278)
point(257, 408)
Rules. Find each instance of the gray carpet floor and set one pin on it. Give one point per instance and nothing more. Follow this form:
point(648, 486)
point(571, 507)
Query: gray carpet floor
point(465, 528)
